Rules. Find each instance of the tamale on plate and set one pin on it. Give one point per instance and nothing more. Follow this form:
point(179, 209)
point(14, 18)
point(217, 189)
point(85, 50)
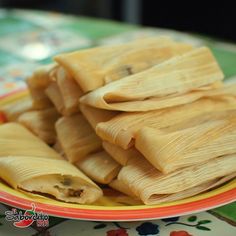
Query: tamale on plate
point(41, 123)
point(100, 167)
point(77, 137)
point(121, 130)
point(152, 186)
point(28, 164)
point(163, 85)
point(191, 146)
point(95, 67)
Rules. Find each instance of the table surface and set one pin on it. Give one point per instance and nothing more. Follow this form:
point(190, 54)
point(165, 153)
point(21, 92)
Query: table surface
point(30, 38)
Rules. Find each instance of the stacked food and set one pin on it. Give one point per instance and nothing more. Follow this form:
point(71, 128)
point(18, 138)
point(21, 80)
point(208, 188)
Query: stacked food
point(150, 118)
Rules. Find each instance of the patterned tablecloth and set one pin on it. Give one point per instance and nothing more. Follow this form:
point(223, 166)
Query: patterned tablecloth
point(28, 39)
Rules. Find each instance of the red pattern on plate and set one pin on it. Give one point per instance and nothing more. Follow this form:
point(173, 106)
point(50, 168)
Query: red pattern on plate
point(12, 93)
point(3, 118)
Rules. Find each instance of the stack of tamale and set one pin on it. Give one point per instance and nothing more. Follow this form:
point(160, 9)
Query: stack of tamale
point(150, 118)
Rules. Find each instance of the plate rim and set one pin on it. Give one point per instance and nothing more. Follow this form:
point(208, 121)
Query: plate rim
point(153, 212)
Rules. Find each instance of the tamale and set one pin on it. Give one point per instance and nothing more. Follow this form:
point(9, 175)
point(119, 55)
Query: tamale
point(162, 83)
point(119, 154)
point(95, 116)
point(39, 98)
point(122, 129)
point(70, 91)
point(41, 123)
point(201, 143)
point(100, 167)
point(43, 175)
point(76, 137)
point(41, 76)
point(64, 92)
point(54, 94)
point(36, 85)
point(121, 187)
point(93, 68)
point(152, 186)
point(194, 190)
point(16, 140)
point(200, 119)
point(14, 109)
point(27, 163)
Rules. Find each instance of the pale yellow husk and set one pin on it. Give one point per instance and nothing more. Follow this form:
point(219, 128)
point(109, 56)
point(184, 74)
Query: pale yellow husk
point(41, 123)
point(14, 109)
point(95, 115)
point(49, 176)
point(70, 91)
point(121, 187)
point(16, 140)
point(118, 185)
point(161, 83)
point(194, 190)
point(122, 129)
point(100, 167)
point(149, 184)
point(93, 68)
point(41, 76)
point(200, 119)
point(55, 96)
point(119, 154)
point(36, 85)
point(27, 163)
point(191, 146)
point(39, 98)
point(77, 137)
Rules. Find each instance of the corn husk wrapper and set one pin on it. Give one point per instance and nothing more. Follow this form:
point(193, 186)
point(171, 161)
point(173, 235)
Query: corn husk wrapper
point(100, 167)
point(95, 116)
point(200, 119)
point(155, 103)
point(15, 108)
point(119, 154)
point(159, 86)
point(41, 123)
point(16, 140)
point(114, 197)
point(49, 176)
point(201, 143)
point(121, 130)
point(152, 186)
point(69, 90)
point(54, 94)
point(39, 98)
point(121, 187)
point(93, 68)
point(37, 84)
point(77, 137)
point(118, 185)
point(27, 163)
point(41, 76)
point(195, 190)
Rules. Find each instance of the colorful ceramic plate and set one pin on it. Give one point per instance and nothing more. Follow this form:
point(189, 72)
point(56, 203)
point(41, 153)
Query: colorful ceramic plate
point(111, 208)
